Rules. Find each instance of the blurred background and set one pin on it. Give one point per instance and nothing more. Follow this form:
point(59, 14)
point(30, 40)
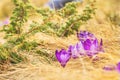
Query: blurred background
point(105, 7)
point(6, 8)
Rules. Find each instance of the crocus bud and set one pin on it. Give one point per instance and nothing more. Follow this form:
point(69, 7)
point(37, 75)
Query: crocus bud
point(62, 56)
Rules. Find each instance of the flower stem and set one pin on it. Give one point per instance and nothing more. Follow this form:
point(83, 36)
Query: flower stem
point(83, 68)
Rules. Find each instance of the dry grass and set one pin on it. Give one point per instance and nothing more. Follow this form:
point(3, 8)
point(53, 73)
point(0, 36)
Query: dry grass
point(101, 27)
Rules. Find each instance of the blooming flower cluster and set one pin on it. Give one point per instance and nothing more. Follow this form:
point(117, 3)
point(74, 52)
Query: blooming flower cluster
point(88, 45)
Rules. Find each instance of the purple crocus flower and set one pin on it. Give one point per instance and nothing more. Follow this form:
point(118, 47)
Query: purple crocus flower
point(91, 47)
point(73, 51)
point(76, 50)
point(118, 67)
point(62, 56)
point(90, 43)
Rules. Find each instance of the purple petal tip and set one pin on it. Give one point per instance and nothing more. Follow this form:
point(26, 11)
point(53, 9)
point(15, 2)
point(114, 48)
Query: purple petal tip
point(118, 67)
point(109, 68)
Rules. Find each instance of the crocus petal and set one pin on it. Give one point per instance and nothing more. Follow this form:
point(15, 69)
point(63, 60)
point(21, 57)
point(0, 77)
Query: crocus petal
point(58, 55)
point(94, 47)
point(109, 68)
point(63, 64)
point(83, 35)
point(93, 50)
point(118, 67)
point(70, 48)
point(65, 56)
point(80, 48)
point(90, 35)
point(95, 42)
point(74, 52)
point(101, 42)
point(100, 49)
point(64, 59)
point(91, 47)
point(87, 44)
